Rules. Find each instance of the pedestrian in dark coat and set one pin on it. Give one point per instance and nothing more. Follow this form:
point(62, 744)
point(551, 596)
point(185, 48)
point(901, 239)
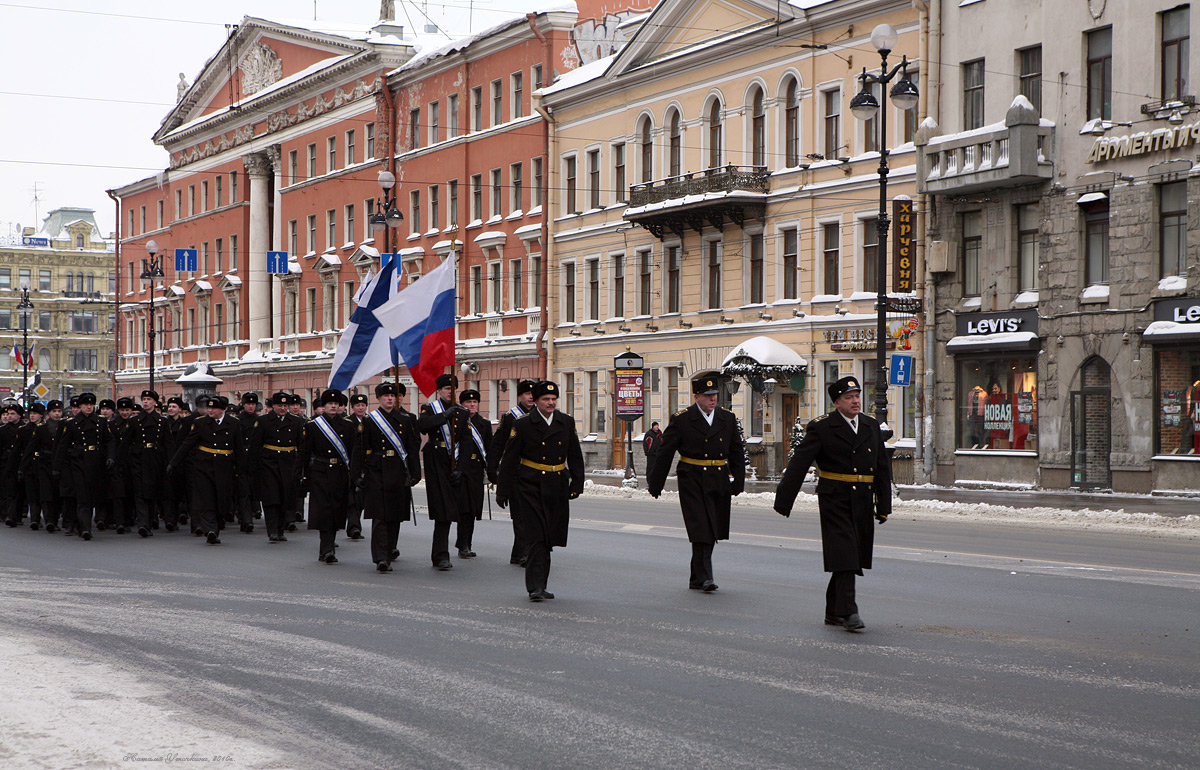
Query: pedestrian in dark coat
point(710, 453)
point(390, 446)
point(119, 514)
point(472, 469)
point(272, 453)
point(445, 423)
point(79, 456)
point(38, 467)
point(295, 506)
point(212, 452)
point(12, 496)
point(524, 405)
point(327, 444)
point(175, 491)
point(357, 415)
point(854, 484)
point(542, 471)
point(27, 482)
point(651, 443)
point(248, 503)
point(147, 441)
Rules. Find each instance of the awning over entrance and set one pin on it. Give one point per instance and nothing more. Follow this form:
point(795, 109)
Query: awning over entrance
point(763, 356)
point(1170, 331)
point(984, 343)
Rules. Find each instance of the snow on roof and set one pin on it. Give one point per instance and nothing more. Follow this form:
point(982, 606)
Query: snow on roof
point(457, 44)
point(1002, 338)
point(579, 75)
point(766, 352)
point(689, 199)
point(203, 286)
point(1171, 329)
point(491, 235)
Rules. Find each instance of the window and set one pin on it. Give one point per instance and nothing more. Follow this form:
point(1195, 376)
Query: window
point(477, 108)
point(83, 323)
point(191, 200)
point(6, 278)
point(537, 76)
point(159, 213)
point(645, 282)
point(44, 321)
point(44, 280)
point(647, 142)
point(1031, 75)
point(452, 186)
point(312, 233)
point(756, 268)
point(1178, 397)
point(1028, 221)
point(972, 73)
point(675, 149)
point(518, 95)
point(714, 257)
point(414, 212)
point(715, 128)
point(220, 251)
point(112, 283)
point(535, 285)
point(205, 268)
point(476, 289)
point(220, 186)
point(673, 278)
point(1096, 242)
point(293, 238)
point(204, 195)
point(233, 253)
point(1175, 34)
point(435, 214)
point(791, 123)
point(593, 179)
point(311, 309)
point(497, 194)
point(82, 360)
point(219, 322)
point(831, 102)
point(568, 403)
point(497, 102)
point(349, 222)
point(331, 151)
point(312, 161)
point(536, 192)
point(233, 183)
point(179, 204)
point(569, 292)
point(620, 190)
point(972, 249)
point(368, 209)
point(1172, 208)
point(595, 412)
point(618, 287)
point(414, 128)
point(497, 287)
point(593, 278)
point(435, 129)
point(330, 229)
point(673, 390)
point(997, 402)
point(570, 186)
point(516, 286)
point(452, 115)
point(831, 256)
point(351, 157)
point(515, 186)
point(758, 129)
point(1099, 74)
point(477, 197)
point(6, 318)
point(370, 129)
point(870, 254)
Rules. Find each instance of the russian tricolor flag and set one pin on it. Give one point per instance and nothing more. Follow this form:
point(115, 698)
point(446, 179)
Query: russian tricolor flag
point(420, 321)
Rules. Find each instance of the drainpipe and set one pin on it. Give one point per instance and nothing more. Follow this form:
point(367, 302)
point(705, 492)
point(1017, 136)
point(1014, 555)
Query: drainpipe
point(932, 106)
point(545, 342)
point(116, 301)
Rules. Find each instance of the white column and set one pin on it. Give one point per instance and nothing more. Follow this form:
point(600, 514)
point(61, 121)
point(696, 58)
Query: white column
point(275, 154)
point(256, 280)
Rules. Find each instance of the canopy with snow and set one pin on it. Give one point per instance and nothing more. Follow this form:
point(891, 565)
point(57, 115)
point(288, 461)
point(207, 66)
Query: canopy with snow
point(763, 357)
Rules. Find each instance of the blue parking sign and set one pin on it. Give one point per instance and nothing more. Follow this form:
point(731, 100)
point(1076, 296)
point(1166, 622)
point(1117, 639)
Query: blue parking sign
point(901, 371)
point(277, 262)
point(186, 261)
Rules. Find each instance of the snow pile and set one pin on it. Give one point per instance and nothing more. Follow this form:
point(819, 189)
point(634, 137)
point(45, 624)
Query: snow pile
point(1042, 516)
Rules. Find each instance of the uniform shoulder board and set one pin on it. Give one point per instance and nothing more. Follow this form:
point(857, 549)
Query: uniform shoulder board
point(818, 418)
point(681, 411)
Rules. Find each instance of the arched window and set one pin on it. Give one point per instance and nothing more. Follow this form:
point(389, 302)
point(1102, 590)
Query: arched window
point(791, 123)
point(647, 143)
point(79, 241)
point(715, 126)
point(758, 129)
point(676, 144)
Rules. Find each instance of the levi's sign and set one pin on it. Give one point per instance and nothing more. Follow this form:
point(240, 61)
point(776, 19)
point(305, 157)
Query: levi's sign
point(1180, 311)
point(978, 324)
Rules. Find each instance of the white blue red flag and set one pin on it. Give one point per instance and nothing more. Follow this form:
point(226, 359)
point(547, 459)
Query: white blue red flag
point(420, 321)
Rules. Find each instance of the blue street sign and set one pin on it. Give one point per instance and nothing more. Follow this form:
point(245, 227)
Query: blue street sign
point(901, 373)
point(277, 262)
point(384, 259)
point(186, 260)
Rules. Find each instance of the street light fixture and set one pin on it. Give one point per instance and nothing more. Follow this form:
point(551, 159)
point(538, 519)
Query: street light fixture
point(26, 309)
point(151, 270)
point(865, 106)
point(385, 216)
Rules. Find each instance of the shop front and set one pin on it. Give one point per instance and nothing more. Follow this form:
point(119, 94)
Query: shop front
point(1175, 338)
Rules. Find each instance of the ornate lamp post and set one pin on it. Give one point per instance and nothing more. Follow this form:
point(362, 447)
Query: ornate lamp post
point(385, 217)
point(865, 106)
point(151, 272)
point(26, 309)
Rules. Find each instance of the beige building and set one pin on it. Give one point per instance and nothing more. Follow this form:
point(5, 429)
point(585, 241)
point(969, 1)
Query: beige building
point(713, 208)
point(68, 269)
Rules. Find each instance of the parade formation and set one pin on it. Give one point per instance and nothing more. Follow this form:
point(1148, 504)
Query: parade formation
point(130, 468)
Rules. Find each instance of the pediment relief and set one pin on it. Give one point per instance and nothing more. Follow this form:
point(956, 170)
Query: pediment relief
point(260, 68)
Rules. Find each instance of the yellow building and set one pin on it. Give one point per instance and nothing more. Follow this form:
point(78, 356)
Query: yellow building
point(713, 207)
point(68, 269)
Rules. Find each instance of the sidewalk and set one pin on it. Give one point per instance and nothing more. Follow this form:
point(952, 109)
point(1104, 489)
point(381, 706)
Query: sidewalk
point(1016, 498)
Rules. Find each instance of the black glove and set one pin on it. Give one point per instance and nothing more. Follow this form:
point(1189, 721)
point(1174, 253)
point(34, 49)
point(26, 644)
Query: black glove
point(109, 463)
point(412, 482)
point(738, 489)
point(502, 501)
point(785, 514)
point(654, 493)
point(573, 495)
point(881, 517)
point(456, 478)
point(358, 484)
point(170, 470)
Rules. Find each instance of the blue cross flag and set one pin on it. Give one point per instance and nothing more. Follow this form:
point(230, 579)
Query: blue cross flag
point(277, 262)
point(901, 373)
point(186, 261)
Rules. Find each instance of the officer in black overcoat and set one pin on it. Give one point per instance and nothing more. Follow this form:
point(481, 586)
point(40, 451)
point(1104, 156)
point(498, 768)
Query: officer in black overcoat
point(146, 443)
point(327, 445)
point(272, 449)
point(524, 405)
point(710, 453)
point(38, 468)
point(79, 456)
point(472, 469)
point(16, 466)
point(854, 483)
point(445, 423)
point(212, 452)
point(294, 510)
point(12, 496)
point(175, 493)
point(359, 406)
point(248, 502)
point(542, 471)
point(389, 468)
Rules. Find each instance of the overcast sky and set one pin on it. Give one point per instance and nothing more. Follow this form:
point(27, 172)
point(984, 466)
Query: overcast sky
point(85, 83)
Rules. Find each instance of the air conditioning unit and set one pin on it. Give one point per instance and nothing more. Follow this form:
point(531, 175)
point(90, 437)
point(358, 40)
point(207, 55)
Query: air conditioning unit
point(940, 256)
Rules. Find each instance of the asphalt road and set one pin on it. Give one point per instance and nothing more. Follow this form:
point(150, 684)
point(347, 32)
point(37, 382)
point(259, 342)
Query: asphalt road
point(986, 647)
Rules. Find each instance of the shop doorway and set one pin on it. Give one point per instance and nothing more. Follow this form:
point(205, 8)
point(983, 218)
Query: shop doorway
point(1091, 427)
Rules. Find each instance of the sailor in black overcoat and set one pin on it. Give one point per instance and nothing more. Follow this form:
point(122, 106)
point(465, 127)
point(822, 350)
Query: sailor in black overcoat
point(710, 453)
point(79, 455)
point(147, 440)
point(359, 406)
point(248, 504)
point(38, 467)
point(541, 471)
point(213, 452)
point(326, 449)
point(524, 405)
point(272, 454)
point(388, 472)
point(854, 485)
point(472, 465)
point(445, 423)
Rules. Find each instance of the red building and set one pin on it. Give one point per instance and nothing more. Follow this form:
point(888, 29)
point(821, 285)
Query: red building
point(278, 146)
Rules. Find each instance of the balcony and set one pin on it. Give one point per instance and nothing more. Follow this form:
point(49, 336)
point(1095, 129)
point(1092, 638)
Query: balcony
point(692, 201)
point(1015, 152)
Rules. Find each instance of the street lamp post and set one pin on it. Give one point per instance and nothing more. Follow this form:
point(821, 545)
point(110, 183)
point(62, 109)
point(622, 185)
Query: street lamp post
point(385, 217)
point(151, 270)
point(865, 106)
point(26, 308)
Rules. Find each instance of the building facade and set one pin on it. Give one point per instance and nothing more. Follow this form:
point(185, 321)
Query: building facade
point(68, 268)
point(713, 208)
point(1062, 241)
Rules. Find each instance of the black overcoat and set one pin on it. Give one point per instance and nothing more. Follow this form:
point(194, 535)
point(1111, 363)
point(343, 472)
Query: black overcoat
point(246, 486)
point(472, 462)
point(445, 498)
point(705, 491)
point(212, 475)
point(541, 499)
point(117, 471)
point(147, 440)
point(328, 475)
point(385, 474)
point(499, 439)
point(79, 458)
point(847, 508)
point(38, 463)
point(271, 453)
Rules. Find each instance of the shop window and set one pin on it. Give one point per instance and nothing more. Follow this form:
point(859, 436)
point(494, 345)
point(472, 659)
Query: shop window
point(1178, 397)
point(997, 403)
